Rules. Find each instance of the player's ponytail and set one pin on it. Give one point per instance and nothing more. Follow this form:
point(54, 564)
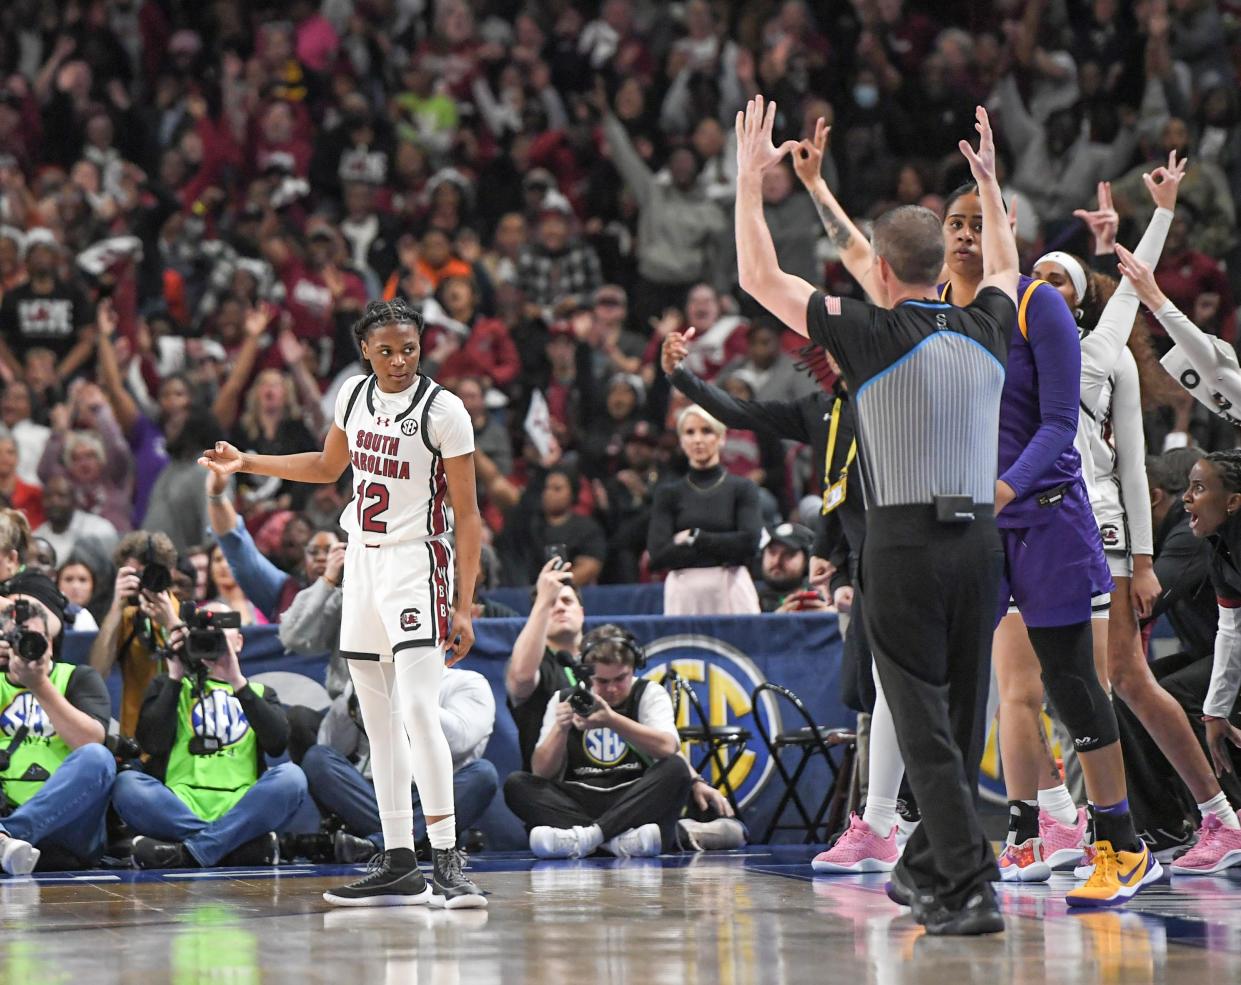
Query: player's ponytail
point(398, 311)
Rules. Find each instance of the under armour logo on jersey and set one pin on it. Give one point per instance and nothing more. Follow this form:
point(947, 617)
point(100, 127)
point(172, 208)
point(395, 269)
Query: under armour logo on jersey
point(409, 426)
point(410, 620)
point(383, 422)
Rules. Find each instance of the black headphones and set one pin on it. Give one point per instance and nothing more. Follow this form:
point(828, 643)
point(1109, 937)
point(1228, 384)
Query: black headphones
point(619, 637)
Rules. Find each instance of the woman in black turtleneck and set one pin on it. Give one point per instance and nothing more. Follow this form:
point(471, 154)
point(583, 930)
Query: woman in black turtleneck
point(704, 528)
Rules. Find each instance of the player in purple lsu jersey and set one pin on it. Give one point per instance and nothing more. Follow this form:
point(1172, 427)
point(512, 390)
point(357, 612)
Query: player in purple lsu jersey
point(1054, 561)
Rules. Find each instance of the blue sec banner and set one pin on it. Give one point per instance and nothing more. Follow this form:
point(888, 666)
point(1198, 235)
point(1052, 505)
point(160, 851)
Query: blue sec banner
point(723, 658)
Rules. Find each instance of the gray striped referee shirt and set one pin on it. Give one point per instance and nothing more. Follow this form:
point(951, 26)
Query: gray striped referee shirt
point(926, 378)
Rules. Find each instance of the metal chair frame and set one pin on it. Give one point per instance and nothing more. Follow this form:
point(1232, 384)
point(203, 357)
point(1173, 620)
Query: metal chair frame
point(714, 739)
point(813, 740)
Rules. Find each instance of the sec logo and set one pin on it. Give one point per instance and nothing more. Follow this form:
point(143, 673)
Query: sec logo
point(603, 746)
point(409, 427)
point(723, 678)
point(25, 710)
point(220, 714)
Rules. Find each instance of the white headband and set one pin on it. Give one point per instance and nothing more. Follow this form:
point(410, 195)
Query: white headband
point(1071, 267)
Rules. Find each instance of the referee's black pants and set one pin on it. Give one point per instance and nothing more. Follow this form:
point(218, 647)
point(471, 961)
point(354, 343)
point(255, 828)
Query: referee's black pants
point(930, 610)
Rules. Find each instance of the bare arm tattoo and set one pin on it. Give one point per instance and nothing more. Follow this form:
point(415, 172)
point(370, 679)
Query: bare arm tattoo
point(837, 231)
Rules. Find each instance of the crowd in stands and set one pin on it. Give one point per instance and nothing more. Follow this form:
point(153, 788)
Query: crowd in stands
point(197, 200)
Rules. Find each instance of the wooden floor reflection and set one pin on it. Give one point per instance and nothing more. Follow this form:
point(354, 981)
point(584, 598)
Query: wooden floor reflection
point(728, 919)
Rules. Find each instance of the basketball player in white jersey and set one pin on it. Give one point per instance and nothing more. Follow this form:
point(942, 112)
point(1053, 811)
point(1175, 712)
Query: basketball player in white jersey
point(411, 446)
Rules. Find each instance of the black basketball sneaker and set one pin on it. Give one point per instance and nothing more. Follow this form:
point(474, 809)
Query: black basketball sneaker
point(451, 889)
point(392, 879)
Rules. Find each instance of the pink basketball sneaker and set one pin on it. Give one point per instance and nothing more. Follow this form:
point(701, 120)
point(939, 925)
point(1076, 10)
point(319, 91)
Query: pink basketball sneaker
point(859, 849)
point(1063, 844)
point(1218, 848)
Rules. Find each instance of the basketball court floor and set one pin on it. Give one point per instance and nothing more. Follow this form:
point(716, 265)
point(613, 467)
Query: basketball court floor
point(728, 918)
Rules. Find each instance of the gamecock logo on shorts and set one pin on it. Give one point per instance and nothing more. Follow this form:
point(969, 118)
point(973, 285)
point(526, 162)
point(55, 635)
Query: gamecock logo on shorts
point(1110, 534)
point(411, 620)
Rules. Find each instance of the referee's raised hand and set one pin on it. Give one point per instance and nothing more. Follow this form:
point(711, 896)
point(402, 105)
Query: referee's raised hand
point(755, 151)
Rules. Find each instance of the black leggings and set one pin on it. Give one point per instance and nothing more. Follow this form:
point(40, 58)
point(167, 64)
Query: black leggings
point(1066, 654)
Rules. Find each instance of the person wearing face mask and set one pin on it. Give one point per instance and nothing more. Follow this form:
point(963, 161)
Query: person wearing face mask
point(705, 527)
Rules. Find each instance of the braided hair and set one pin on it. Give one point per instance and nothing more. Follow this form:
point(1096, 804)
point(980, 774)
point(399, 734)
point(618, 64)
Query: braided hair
point(398, 311)
point(1228, 465)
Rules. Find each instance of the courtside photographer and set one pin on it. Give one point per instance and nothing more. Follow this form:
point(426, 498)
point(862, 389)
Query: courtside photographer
point(55, 774)
point(207, 797)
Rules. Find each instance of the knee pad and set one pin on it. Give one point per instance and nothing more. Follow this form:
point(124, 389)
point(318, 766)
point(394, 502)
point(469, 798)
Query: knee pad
point(1066, 654)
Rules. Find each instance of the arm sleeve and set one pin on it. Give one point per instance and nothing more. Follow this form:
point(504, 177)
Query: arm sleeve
point(1218, 379)
point(1131, 455)
point(1226, 669)
point(267, 718)
point(1102, 347)
point(1057, 361)
point(631, 167)
point(735, 546)
point(449, 426)
point(157, 720)
point(261, 580)
point(88, 693)
point(777, 418)
point(468, 715)
point(655, 711)
point(311, 623)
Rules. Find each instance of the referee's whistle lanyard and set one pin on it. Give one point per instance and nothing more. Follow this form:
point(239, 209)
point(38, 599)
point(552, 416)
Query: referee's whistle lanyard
point(834, 492)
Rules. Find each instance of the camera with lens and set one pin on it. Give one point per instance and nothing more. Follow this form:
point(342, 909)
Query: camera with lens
point(582, 699)
point(155, 578)
point(26, 643)
point(205, 642)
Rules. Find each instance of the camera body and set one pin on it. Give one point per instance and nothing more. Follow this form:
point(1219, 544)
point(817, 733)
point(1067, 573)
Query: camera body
point(582, 699)
point(205, 643)
point(155, 578)
point(26, 643)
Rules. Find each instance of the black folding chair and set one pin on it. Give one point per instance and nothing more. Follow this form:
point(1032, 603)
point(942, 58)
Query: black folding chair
point(813, 740)
point(722, 745)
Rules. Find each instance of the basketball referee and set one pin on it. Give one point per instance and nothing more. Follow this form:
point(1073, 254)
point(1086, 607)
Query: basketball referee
point(926, 378)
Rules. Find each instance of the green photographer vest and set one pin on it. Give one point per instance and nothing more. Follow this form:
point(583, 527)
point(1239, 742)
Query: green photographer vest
point(43, 750)
point(212, 785)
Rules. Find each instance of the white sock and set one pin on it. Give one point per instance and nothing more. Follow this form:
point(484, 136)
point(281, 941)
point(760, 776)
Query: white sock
point(1219, 806)
point(418, 673)
point(1057, 802)
point(443, 833)
point(375, 685)
point(886, 767)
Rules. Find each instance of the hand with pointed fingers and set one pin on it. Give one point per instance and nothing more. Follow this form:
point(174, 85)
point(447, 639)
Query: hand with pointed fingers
point(982, 161)
point(808, 154)
point(1103, 222)
point(1141, 276)
point(755, 151)
point(675, 349)
point(1164, 182)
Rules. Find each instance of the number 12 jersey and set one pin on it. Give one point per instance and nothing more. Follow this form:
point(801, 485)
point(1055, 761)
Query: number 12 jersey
point(397, 446)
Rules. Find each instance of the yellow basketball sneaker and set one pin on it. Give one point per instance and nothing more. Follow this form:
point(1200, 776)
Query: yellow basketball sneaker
point(1116, 877)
